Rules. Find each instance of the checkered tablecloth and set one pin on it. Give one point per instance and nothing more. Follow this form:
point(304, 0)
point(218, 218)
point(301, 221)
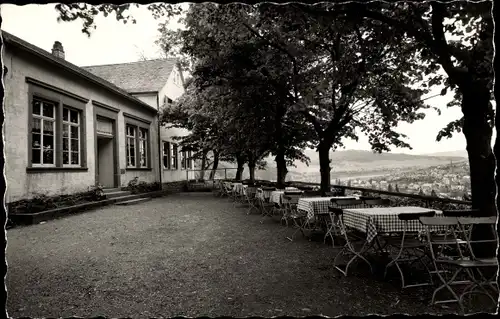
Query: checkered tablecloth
point(276, 197)
point(373, 221)
point(265, 193)
point(317, 205)
point(238, 188)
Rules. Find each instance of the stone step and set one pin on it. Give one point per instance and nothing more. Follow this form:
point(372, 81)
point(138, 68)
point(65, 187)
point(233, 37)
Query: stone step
point(117, 194)
point(134, 201)
point(111, 190)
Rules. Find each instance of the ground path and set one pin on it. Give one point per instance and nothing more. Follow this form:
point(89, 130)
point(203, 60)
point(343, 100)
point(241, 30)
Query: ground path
point(184, 255)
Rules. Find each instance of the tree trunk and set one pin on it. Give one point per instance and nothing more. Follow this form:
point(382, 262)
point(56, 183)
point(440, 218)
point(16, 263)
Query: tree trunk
point(215, 166)
point(324, 167)
point(203, 164)
point(239, 170)
point(251, 170)
point(478, 134)
point(281, 169)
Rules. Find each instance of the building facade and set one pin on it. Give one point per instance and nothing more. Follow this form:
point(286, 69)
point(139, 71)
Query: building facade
point(67, 129)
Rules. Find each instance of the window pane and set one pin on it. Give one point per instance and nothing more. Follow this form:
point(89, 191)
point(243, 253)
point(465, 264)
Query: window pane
point(48, 156)
point(74, 131)
point(65, 130)
point(48, 141)
point(48, 110)
point(65, 114)
point(35, 156)
point(36, 140)
point(65, 157)
point(74, 145)
point(74, 158)
point(65, 144)
point(48, 128)
point(165, 161)
point(36, 125)
point(36, 107)
point(73, 116)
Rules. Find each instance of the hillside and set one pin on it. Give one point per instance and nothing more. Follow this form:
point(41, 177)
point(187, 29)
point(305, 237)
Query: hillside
point(355, 163)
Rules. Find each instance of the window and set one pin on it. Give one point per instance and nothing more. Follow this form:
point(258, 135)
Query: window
point(186, 161)
point(137, 146)
point(43, 133)
point(130, 146)
point(56, 134)
point(166, 155)
point(190, 160)
point(71, 137)
point(174, 157)
point(143, 142)
point(183, 160)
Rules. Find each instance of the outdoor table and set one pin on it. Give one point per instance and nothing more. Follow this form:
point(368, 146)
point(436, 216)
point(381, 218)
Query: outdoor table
point(317, 205)
point(374, 222)
point(238, 188)
point(277, 197)
point(383, 220)
point(266, 194)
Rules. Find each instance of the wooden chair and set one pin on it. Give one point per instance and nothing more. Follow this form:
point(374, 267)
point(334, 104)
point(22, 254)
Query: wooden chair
point(409, 249)
point(450, 264)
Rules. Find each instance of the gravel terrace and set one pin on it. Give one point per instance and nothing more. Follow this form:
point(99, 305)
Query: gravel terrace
point(188, 254)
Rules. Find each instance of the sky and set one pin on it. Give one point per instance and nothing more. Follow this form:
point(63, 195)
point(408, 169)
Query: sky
point(115, 42)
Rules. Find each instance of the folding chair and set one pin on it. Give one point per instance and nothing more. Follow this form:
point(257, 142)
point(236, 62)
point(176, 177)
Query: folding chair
point(369, 197)
point(265, 207)
point(218, 189)
point(478, 273)
point(290, 201)
point(376, 202)
point(461, 213)
point(332, 225)
point(410, 249)
point(250, 196)
point(459, 260)
point(355, 246)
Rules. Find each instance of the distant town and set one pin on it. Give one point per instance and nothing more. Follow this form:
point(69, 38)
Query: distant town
point(447, 181)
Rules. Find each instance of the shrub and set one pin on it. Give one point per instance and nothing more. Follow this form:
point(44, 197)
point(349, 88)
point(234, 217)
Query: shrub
point(138, 187)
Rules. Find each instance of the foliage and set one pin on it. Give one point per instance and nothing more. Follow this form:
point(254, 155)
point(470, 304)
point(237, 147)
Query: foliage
point(87, 12)
point(454, 37)
point(42, 202)
point(135, 186)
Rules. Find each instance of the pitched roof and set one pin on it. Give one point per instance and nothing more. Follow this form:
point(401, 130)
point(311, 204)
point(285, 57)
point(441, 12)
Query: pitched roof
point(136, 77)
point(20, 43)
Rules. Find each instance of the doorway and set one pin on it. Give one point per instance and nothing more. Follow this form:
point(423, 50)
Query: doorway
point(105, 161)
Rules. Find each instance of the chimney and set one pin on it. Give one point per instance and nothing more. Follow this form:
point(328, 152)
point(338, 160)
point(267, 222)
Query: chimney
point(58, 50)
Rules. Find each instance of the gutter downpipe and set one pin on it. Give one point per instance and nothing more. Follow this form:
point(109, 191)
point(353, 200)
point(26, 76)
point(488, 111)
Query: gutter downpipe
point(160, 166)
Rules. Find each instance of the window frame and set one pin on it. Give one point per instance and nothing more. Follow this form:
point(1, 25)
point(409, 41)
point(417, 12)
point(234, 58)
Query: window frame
point(138, 123)
point(70, 124)
point(61, 99)
point(174, 157)
point(129, 137)
point(183, 161)
point(168, 155)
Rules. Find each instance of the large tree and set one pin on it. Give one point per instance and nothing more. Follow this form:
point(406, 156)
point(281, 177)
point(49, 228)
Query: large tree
point(341, 75)
point(457, 38)
point(227, 53)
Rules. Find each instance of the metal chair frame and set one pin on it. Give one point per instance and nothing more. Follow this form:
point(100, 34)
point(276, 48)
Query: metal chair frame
point(410, 250)
point(464, 262)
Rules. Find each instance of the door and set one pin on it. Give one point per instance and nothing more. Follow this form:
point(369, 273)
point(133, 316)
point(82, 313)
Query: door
point(105, 161)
